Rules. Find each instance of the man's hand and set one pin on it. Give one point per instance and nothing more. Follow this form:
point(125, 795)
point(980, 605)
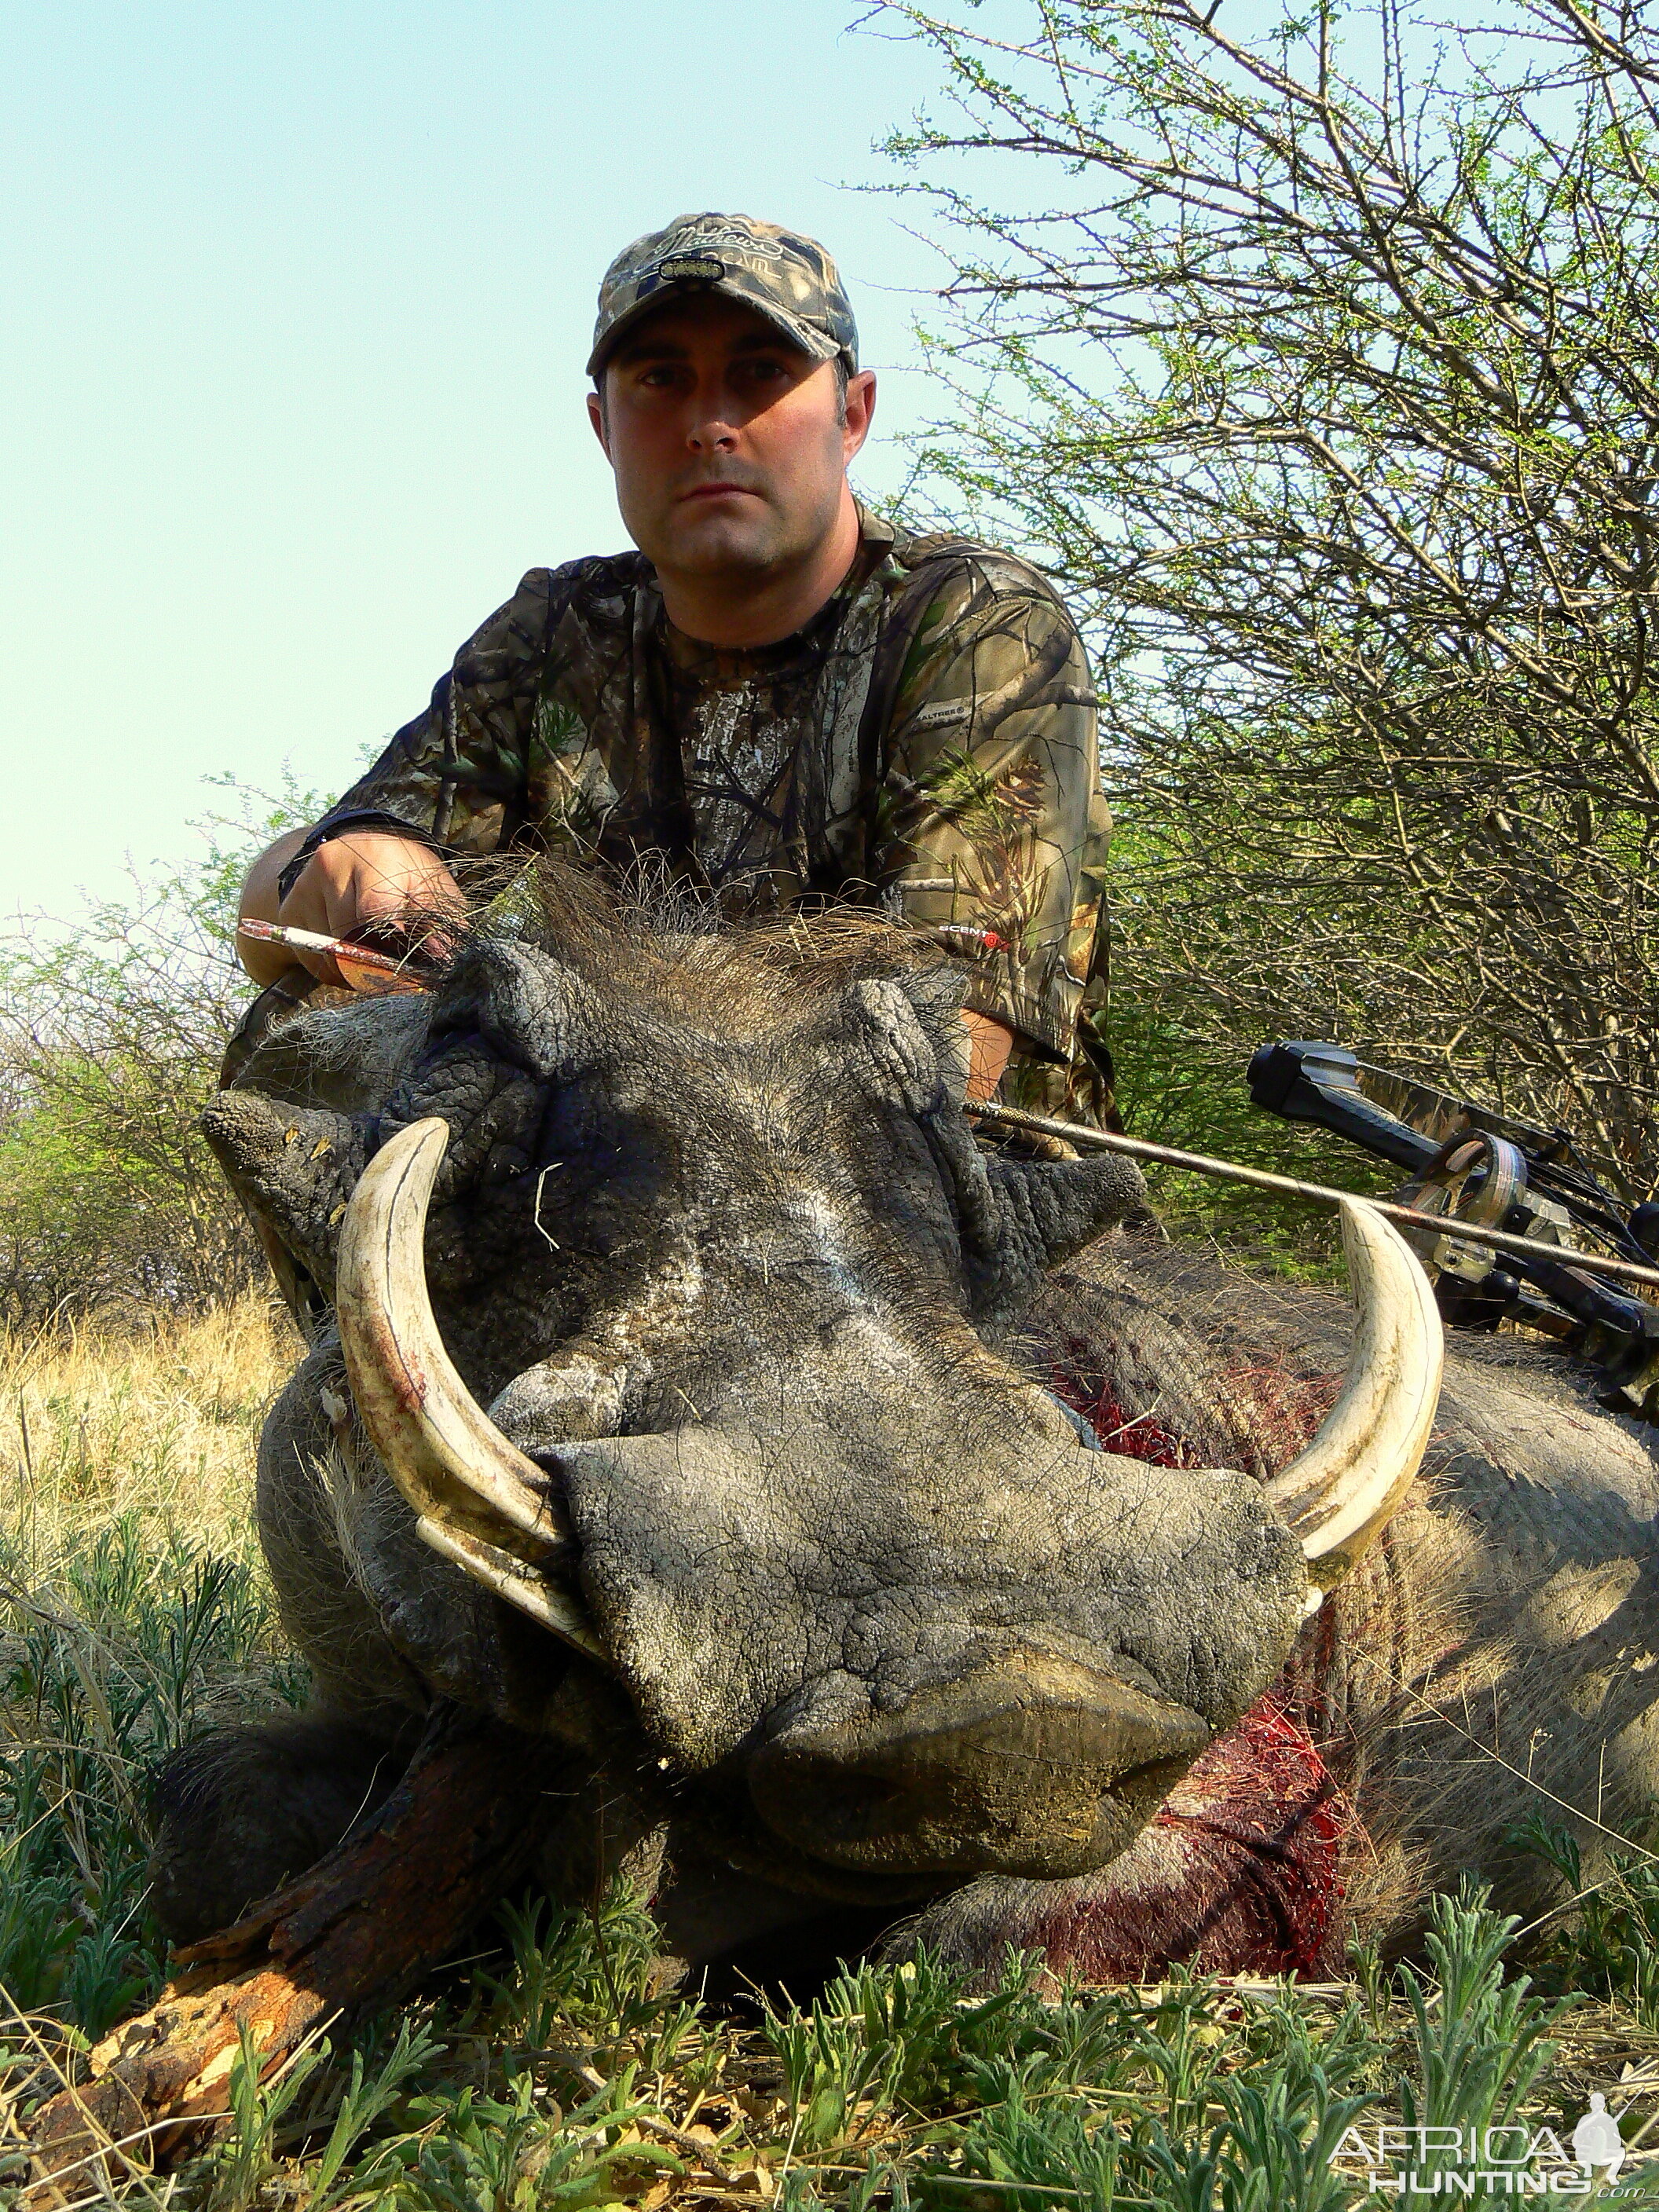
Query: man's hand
point(368, 882)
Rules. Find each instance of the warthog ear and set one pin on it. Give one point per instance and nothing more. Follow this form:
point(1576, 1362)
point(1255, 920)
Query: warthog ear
point(1033, 1765)
point(1054, 1207)
point(292, 1167)
point(532, 1009)
point(907, 1065)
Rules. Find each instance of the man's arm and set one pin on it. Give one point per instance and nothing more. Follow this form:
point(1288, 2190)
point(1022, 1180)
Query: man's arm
point(454, 778)
point(991, 782)
point(989, 1044)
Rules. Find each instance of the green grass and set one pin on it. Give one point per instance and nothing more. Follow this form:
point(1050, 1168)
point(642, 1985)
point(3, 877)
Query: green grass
point(548, 2070)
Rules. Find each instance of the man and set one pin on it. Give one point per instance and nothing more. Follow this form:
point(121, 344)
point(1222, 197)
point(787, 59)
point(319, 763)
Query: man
point(776, 697)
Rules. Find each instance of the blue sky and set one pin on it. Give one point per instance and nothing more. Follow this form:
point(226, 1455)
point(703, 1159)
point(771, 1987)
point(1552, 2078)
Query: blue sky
point(297, 299)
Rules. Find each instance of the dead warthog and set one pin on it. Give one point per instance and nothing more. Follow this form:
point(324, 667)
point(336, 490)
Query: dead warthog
point(688, 1402)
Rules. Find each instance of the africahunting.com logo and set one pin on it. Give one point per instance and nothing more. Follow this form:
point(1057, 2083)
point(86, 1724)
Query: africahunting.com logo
point(1485, 2162)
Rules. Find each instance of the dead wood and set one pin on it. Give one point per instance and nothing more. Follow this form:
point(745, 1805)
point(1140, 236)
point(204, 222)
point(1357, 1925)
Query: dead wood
point(355, 1933)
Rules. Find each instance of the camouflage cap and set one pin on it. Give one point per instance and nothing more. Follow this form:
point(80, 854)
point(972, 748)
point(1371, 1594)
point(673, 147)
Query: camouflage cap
point(782, 275)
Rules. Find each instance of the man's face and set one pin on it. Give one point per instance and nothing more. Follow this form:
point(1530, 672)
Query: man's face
point(729, 444)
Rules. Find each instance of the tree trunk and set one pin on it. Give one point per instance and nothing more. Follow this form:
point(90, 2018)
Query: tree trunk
point(352, 1934)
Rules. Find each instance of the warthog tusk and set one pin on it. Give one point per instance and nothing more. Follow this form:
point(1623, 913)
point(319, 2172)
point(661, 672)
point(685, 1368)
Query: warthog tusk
point(479, 1500)
point(1339, 1494)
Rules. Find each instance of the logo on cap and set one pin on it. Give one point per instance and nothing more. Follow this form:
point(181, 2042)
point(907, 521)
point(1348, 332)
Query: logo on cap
point(690, 264)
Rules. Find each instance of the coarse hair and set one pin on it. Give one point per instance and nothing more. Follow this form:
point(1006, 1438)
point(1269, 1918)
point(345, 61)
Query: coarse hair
point(675, 943)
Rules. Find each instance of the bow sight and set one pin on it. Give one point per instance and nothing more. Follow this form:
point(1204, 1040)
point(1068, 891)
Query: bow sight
point(1485, 1171)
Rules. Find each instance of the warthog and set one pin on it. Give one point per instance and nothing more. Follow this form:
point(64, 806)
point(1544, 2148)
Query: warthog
point(733, 1420)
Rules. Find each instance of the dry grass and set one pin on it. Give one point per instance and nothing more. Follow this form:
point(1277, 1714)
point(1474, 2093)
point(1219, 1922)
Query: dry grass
point(133, 1611)
point(160, 1424)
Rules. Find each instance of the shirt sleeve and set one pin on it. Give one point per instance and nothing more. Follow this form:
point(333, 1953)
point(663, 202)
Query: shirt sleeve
point(458, 775)
point(991, 823)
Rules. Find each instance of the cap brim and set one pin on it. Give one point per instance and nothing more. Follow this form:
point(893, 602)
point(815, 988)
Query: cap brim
point(816, 342)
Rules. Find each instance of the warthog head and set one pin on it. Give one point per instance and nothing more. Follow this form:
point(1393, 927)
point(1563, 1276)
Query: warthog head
point(670, 1280)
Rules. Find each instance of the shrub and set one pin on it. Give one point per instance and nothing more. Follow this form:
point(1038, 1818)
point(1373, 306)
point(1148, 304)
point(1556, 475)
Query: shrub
point(1312, 351)
point(111, 1032)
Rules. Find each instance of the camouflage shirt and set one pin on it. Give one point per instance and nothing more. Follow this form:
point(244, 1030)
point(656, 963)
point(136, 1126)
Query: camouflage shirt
point(925, 744)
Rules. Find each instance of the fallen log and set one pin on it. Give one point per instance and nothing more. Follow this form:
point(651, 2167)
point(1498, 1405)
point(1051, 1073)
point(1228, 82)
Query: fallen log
point(354, 1932)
